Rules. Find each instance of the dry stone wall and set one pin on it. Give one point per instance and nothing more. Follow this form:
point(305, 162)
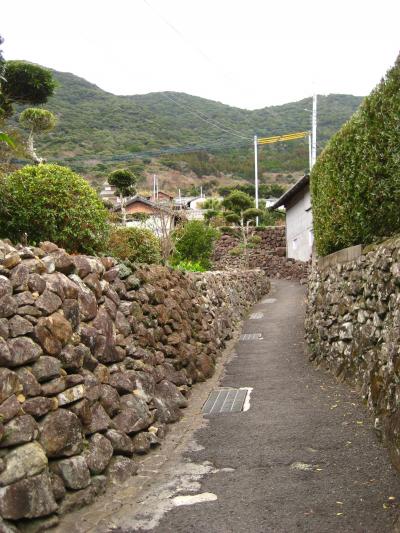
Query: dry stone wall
point(352, 328)
point(96, 359)
point(269, 254)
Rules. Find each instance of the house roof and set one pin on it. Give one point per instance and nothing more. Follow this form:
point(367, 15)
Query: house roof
point(290, 193)
point(135, 200)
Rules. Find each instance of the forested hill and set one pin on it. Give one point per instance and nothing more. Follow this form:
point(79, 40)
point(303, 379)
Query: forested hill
point(94, 125)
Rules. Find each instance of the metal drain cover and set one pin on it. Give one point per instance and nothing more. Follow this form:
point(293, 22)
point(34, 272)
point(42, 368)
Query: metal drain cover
point(251, 337)
point(225, 400)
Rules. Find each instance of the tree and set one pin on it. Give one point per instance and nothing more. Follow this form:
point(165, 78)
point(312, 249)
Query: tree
point(25, 83)
point(240, 210)
point(36, 120)
point(124, 181)
point(194, 242)
point(52, 203)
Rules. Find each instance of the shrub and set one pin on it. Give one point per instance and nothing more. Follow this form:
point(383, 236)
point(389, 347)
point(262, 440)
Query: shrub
point(190, 266)
point(355, 183)
point(194, 241)
point(255, 239)
point(236, 251)
point(50, 202)
point(138, 245)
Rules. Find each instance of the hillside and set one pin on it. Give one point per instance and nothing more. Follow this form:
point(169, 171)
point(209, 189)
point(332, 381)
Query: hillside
point(96, 128)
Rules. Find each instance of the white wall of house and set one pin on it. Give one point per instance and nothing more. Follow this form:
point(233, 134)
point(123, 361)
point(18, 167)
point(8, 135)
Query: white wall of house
point(299, 227)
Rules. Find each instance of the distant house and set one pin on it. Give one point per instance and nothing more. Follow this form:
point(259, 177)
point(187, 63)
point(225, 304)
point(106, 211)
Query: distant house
point(141, 212)
point(299, 222)
point(161, 196)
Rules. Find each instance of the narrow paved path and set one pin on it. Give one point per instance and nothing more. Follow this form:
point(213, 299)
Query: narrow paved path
point(303, 458)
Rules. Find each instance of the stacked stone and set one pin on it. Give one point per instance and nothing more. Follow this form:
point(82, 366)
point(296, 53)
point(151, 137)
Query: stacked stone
point(352, 328)
point(95, 360)
point(268, 255)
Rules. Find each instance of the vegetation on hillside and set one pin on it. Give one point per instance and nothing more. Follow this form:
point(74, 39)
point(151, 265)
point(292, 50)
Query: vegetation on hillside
point(96, 130)
point(355, 183)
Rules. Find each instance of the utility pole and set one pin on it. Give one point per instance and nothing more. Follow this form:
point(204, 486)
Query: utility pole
point(256, 172)
point(154, 187)
point(309, 152)
point(314, 131)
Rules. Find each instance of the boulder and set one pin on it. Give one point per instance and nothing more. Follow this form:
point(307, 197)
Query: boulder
point(46, 368)
point(121, 443)
point(19, 326)
point(99, 454)
point(73, 471)
point(24, 461)
point(9, 408)
point(19, 430)
point(18, 351)
point(61, 434)
point(120, 469)
point(9, 383)
point(39, 406)
point(48, 302)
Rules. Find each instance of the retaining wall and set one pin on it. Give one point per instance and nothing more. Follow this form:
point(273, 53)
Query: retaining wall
point(353, 328)
point(96, 359)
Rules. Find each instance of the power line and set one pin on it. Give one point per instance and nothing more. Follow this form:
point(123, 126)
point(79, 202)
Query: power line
point(201, 115)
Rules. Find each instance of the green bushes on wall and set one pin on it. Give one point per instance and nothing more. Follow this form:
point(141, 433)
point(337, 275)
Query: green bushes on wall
point(50, 202)
point(355, 183)
point(138, 245)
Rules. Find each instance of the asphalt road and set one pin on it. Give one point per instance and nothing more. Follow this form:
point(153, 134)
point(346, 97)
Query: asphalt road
point(304, 457)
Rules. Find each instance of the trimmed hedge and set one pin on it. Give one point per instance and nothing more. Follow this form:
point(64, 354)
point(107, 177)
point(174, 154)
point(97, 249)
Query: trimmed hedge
point(52, 203)
point(137, 245)
point(355, 183)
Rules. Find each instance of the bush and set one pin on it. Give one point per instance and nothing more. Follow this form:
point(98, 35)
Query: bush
point(355, 183)
point(50, 202)
point(194, 241)
point(190, 266)
point(138, 245)
point(236, 251)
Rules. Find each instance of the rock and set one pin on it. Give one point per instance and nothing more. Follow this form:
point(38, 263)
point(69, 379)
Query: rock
point(120, 442)
point(39, 406)
point(27, 498)
point(24, 298)
point(8, 306)
point(134, 415)
point(61, 434)
point(57, 485)
point(9, 384)
point(48, 302)
point(5, 287)
point(36, 283)
point(168, 391)
point(120, 469)
point(7, 527)
point(64, 263)
point(19, 277)
point(55, 386)
point(99, 454)
point(46, 368)
point(122, 382)
point(58, 326)
point(99, 419)
point(4, 328)
point(9, 408)
point(19, 430)
point(71, 395)
point(30, 385)
point(24, 461)
point(141, 443)
point(19, 326)
point(11, 260)
point(78, 499)
point(86, 298)
point(71, 312)
point(109, 399)
point(38, 525)
point(47, 340)
point(73, 471)
point(22, 350)
point(72, 357)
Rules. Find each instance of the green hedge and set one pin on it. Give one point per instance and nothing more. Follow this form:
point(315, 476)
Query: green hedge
point(138, 245)
point(52, 203)
point(355, 183)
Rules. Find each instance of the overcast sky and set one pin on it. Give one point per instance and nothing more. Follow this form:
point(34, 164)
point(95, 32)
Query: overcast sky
point(250, 53)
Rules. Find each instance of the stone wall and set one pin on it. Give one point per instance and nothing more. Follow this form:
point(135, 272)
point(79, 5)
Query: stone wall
point(352, 328)
point(96, 359)
point(269, 254)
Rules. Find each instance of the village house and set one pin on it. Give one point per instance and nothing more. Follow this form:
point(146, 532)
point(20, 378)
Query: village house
point(299, 222)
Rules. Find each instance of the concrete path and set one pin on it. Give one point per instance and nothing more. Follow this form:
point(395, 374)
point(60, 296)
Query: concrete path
point(303, 458)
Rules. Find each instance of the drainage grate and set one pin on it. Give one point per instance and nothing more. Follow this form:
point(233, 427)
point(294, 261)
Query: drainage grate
point(226, 400)
point(256, 316)
point(251, 337)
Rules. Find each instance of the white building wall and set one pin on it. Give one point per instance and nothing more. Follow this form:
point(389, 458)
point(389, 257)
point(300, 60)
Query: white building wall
point(299, 227)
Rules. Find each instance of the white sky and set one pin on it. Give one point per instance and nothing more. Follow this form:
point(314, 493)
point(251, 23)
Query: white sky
point(250, 53)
